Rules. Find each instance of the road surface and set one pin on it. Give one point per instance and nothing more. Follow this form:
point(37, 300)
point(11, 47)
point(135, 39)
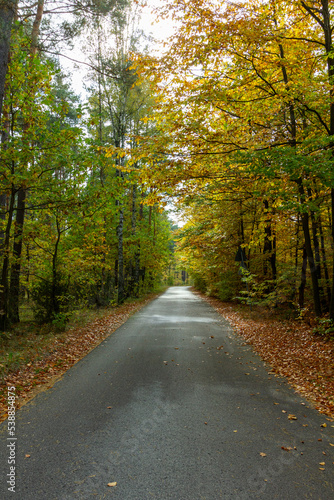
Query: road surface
point(173, 405)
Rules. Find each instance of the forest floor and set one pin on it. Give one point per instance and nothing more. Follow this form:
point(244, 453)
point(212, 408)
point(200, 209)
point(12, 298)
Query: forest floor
point(290, 347)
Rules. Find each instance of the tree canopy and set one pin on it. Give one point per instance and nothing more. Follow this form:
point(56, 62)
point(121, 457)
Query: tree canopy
point(233, 120)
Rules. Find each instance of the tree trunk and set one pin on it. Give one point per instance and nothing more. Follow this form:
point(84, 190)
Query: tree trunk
point(309, 251)
point(331, 307)
point(323, 18)
point(14, 293)
point(317, 260)
point(269, 247)
point(7, 14)
point(3, 195)
point(301, 289)
point(135, 266)
point(14, 296)
point(4, 319)
point(121, 284)
point(324, 260)
point(304, 215)
point(5, 234)
point(55, 276)
point(315, 238)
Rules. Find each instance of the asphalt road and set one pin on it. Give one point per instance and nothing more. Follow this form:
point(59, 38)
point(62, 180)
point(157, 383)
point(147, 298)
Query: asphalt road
point(173, 405)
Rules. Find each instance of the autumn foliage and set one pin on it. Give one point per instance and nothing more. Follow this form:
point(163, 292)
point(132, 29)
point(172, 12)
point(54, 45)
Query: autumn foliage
point(244, 137)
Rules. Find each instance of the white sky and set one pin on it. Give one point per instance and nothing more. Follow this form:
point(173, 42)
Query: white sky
point(160, 30)
point(149, 24)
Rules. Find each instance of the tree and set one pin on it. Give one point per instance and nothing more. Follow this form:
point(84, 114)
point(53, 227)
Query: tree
point(248, 99)
point(7, 14)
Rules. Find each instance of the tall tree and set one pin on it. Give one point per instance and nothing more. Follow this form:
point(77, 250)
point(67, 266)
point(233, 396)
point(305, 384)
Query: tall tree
point(7, 15)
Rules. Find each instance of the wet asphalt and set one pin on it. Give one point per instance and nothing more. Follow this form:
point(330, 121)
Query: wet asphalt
point(173, 405)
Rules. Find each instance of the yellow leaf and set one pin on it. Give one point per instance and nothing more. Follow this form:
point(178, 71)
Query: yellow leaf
point(112, 484)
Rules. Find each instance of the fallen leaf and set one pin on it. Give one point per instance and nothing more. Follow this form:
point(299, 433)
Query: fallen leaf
point(292, 417)
point(112, 484)
point(27, 456)
point(263, 454)
point(322, 463)
point(323, 425)
point(287, 448)
point(109, 407)
point(321, 468)
point(331, 444)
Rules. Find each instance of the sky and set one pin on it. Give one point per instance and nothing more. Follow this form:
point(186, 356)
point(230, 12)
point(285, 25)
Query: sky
point(149, 24)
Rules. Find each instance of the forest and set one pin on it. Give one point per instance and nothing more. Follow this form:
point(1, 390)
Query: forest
point(231, 120)
point(76, 228)
point(245, 136)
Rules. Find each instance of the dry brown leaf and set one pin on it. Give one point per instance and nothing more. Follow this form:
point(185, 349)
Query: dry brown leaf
point(292, 417)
